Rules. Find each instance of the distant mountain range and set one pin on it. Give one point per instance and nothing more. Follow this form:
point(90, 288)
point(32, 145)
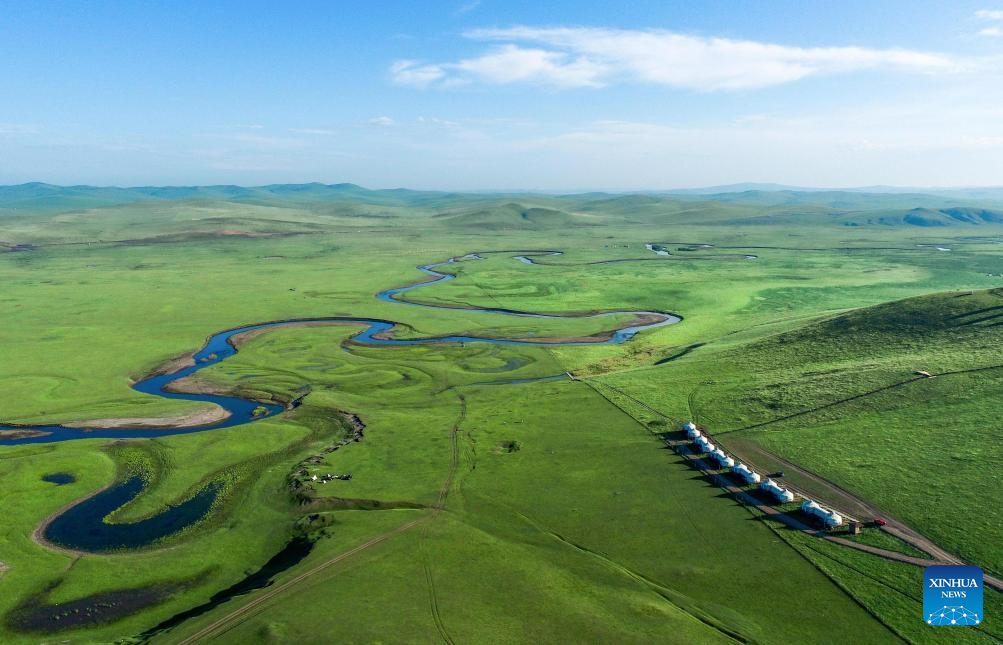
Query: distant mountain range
point(750, 203)
point(988, 192)
point(48, 197)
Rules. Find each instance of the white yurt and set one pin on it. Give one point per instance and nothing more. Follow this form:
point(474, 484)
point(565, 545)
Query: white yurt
point(829, 518)
point(723, 459)
point(781, 493)
point(746, 474)
point(834, 519)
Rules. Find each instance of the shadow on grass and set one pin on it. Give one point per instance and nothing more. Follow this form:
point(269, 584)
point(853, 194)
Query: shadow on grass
point(36, 615)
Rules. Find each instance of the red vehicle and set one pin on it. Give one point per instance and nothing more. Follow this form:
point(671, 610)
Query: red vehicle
point(879, 521)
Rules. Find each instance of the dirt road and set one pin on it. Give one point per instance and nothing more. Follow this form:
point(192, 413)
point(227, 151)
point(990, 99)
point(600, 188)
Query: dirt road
point(238, 614)
point(894, 527)
point(847, 501)
point(245, 611)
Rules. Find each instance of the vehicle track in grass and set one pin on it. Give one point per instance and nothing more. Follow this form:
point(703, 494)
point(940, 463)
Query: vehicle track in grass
point(886, 585)
point(894, 526)
point(378, 332)
point(664, 592)
point(249, 609)
point(235, 617)
point(440, 505)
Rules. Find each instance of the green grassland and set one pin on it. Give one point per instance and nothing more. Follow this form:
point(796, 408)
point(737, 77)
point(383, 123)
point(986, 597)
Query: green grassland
point(547, 513)
point(533, 529)
point(842, 397)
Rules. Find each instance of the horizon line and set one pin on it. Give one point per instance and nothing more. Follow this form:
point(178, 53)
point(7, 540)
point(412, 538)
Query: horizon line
point(735, 187)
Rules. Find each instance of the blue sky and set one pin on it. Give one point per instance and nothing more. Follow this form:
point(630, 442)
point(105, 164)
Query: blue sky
point(503, 95)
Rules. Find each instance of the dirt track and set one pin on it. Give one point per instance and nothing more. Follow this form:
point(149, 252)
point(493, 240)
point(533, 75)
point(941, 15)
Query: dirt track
point(848, 501)
point(247, 610)
point(894, 527)
point(447, 485)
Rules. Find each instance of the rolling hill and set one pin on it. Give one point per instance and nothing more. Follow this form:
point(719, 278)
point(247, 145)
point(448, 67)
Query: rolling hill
point(501, 211)
point(513, 215)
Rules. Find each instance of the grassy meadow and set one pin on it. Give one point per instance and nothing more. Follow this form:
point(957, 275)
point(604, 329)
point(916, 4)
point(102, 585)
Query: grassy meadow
point(545, 511)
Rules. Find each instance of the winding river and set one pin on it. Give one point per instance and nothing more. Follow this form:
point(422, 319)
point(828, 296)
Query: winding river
point(82, 527)
point(241, 411)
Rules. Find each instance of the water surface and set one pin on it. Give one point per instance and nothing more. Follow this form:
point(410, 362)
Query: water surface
point(220, 346)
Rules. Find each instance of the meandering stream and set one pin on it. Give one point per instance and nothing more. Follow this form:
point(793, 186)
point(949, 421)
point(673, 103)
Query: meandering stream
point(241, 411)
point(82, 527)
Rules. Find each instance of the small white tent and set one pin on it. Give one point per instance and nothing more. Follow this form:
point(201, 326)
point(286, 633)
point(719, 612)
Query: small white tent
point(723, 459)
point(746, 474)
point(781, 493)
point(829, 518)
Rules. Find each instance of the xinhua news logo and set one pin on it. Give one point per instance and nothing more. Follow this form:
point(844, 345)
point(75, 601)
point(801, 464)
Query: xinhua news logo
point(952, 595)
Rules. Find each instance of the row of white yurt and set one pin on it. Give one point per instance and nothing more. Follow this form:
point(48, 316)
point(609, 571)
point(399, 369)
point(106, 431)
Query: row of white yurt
point(829, 518)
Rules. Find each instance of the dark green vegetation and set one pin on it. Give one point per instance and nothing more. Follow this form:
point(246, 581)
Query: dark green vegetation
point(479, 510)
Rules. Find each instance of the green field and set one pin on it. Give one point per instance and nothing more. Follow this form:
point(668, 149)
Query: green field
point(485, 511)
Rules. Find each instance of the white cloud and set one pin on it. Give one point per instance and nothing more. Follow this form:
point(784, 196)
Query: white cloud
point(503, 65)
point(989, 14)
point(384, 121)
point(593, 57)
point(411, 72)
point(467, 7)
point(993, 32)
point(512, 64)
